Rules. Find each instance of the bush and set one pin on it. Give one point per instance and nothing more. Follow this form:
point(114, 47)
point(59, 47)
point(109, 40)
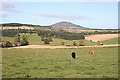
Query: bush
point(74, 43)
point(81, 43)
point(17, 38)
point(24, 41)
point(15, 44)
point(7, 44)
point(42, 38)
point(3, 45)
point(62, 43)
point(50, 39)
point(46, 41)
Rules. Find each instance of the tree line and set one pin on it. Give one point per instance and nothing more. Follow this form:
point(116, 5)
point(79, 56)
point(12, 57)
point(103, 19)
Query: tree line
point(61, 34)
point(14, 32)
point(18, 41)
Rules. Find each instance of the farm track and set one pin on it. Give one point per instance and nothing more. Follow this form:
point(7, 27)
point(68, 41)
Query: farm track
point(62, 47)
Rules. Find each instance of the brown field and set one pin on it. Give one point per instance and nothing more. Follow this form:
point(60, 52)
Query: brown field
point(101, 37)
point(20, 27)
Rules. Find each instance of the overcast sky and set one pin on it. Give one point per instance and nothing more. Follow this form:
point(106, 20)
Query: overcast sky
point(87, 14)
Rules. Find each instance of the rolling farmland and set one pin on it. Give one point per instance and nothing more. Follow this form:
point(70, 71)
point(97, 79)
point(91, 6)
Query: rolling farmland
point(39, 60)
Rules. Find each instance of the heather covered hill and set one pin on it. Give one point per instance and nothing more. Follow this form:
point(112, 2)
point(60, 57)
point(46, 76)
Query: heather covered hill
point(65, 24)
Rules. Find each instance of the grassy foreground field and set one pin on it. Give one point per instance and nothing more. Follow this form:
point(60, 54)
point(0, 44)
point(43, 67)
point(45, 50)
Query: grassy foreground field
point(57, 63)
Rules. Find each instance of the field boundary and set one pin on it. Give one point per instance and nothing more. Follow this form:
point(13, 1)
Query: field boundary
point(62, 47)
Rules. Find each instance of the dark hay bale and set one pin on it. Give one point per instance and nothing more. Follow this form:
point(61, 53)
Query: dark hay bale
point(73, 55)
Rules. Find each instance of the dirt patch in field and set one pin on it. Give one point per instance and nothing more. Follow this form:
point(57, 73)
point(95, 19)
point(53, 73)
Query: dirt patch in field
point(101, 37)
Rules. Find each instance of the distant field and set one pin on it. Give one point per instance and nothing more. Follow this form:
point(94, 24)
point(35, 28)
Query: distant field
point(112, 41)
point(20, 27)
point(75, 30)
point(101, 37)
point(35, 39)
point(57, 63)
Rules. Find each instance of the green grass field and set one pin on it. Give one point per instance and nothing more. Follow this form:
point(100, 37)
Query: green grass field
point(35, 39)
point(57, 63)
point(112, 41)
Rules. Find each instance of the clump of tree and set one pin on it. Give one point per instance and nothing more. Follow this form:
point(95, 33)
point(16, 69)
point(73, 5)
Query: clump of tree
point(24, 41)
point(17, 40)
point(7, 44)
point(74, 43)
point(62, 43)
point(21, 41)
point(42, 38)
point(9, 33)
point(99, 43)
point(81, 43)
point(61, 34)
point(50, 39)
point(46, 41)
point(14, 32)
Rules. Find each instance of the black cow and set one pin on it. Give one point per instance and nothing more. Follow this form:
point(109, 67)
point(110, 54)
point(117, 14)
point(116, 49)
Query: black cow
point(73, 55)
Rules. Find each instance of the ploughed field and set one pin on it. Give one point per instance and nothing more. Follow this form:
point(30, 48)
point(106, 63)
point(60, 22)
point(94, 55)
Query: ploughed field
point(102, 37)
point(58, 63)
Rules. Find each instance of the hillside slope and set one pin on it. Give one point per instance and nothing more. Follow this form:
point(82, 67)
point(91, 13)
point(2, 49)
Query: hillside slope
point(65, 24)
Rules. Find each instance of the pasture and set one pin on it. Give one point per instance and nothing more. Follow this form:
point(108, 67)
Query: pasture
point(112, 41)
point(57, 63)
point(35, 39)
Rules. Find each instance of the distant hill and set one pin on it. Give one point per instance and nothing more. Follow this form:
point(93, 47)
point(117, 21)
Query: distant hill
point(65, 24)
point(59, 25)
point(18, 24)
